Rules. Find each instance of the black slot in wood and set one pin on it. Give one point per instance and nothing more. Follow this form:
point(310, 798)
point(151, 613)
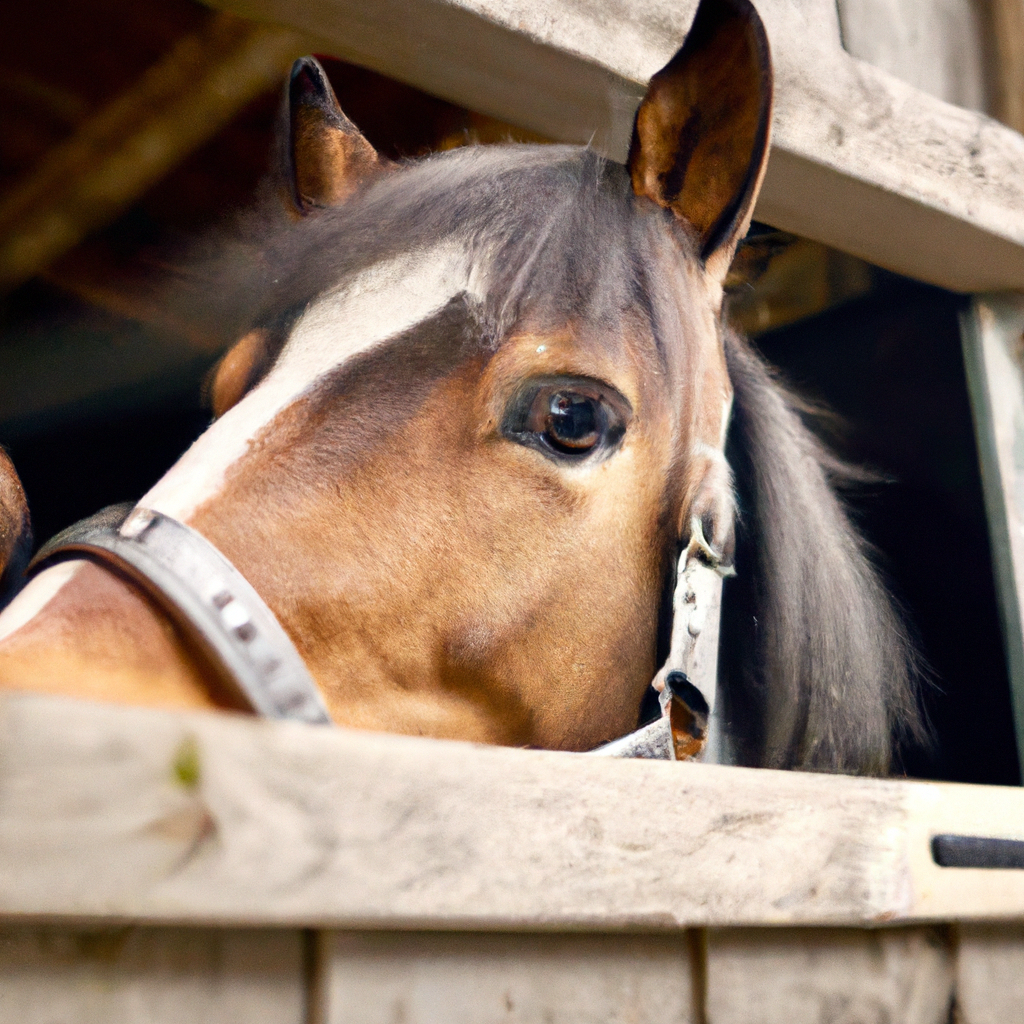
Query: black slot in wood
point(953, 851)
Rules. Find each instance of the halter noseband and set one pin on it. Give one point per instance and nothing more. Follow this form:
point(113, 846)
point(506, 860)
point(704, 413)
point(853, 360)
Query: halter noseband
point(240, 639)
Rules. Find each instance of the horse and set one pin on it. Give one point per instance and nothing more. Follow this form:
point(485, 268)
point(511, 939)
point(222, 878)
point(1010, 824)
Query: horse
point(483, 409)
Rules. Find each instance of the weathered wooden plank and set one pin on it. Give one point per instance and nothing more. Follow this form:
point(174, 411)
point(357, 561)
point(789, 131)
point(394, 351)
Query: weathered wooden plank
point(151, 976)
point(990, 974)
point(938, 46)
point(143, 815)
point(992, 330)
point(438, 978)
point(860, 160)
point(809, 976)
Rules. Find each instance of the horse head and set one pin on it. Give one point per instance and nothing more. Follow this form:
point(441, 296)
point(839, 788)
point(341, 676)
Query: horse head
point(480, 405)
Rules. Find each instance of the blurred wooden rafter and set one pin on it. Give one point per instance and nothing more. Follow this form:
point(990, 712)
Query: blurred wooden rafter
point(137, 138)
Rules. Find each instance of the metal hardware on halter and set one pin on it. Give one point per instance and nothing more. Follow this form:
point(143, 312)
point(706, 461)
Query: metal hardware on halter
point(680, 733)
point(220, 613)
point(216, 608)
point(690, 728)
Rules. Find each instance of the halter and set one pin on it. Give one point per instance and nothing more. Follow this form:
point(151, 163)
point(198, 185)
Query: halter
point(239, 638)
point(213, 605)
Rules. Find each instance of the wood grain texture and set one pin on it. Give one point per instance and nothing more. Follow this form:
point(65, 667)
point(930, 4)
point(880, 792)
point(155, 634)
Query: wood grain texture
point(990, 974)
point(132, 814)
point(843, 977)
point(150, 976)
point(992, 331)
point(938, 46)
point(860, 160)
point(438, 978)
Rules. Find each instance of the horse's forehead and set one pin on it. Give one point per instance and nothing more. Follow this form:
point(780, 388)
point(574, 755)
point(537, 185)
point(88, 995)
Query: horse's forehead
point(370, 307)
point(374, 305)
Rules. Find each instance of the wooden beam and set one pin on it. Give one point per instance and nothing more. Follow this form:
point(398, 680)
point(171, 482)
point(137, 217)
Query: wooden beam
point(130, 144)
point(285, 825)
point(992, 330)
point(1006, 24)
point(860, 161)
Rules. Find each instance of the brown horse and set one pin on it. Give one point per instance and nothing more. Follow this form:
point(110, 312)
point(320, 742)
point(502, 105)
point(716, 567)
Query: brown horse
point(481, 402)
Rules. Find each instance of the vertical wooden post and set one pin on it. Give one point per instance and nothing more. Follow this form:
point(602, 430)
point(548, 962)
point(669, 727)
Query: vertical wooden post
point(992, 329)
point(1006, 20)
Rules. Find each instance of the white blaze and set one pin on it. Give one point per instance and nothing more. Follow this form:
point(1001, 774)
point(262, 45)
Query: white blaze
point(35, 597)
point(378, 304)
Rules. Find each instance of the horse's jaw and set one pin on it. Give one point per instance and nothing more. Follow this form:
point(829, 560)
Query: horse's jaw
point(78, 630)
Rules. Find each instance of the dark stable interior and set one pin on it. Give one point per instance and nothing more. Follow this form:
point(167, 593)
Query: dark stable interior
point(100, 393)
point(889, 363)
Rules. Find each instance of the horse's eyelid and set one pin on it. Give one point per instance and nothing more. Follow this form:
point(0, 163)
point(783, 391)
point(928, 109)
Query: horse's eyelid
point(618, 413)
point(589, 386)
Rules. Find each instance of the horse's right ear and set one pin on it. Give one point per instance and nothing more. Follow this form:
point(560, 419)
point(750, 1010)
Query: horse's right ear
point(700, 142)
point(322, 154)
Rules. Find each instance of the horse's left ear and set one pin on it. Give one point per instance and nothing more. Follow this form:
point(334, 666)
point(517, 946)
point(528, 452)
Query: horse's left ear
point(237, 372)
point(324, 156)
point(700, 141)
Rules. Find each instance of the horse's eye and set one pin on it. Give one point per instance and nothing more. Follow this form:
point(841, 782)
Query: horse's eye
point(568, 418)
point(570, 422)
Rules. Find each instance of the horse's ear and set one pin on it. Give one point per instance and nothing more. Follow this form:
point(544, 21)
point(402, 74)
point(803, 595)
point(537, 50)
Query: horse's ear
point(700, 140)
point(237, 372)
point(323, 155)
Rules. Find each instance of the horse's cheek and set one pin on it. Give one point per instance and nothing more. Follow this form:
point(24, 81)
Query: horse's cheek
point(570, 609)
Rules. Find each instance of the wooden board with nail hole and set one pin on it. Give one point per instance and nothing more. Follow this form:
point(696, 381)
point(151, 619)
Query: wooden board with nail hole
point(133, 814)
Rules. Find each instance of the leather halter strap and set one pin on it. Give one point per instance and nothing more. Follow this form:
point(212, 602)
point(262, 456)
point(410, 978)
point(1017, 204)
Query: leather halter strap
point(218, 611)
point(209, 600)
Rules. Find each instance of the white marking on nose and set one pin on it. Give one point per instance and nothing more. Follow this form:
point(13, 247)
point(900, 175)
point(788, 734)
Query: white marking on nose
point(38, 593)
point(375, 305)
point(541, 348)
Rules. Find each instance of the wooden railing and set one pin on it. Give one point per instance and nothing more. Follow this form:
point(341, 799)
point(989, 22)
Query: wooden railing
point(219, 868)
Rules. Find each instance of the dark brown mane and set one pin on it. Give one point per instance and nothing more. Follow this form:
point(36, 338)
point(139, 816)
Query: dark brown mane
point(819, 670)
